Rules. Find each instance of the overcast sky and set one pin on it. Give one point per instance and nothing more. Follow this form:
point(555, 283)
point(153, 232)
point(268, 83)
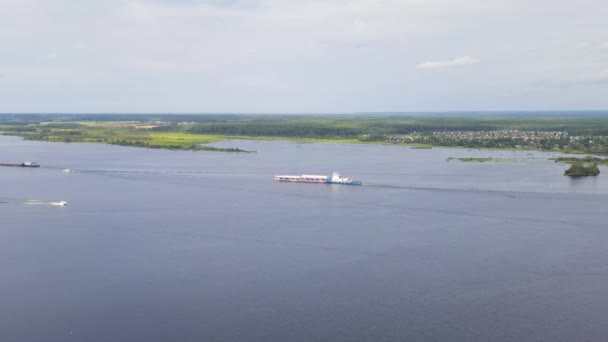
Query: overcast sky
point(302, 56)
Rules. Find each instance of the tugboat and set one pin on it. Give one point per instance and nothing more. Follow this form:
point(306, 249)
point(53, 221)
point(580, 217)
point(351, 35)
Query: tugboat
point(336, 178)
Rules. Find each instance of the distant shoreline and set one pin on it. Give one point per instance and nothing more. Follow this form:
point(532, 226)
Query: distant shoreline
point(565, 134)
point(567, 112)
point(202, 146)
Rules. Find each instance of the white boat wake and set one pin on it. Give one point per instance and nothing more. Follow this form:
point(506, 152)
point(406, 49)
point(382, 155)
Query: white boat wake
point(38, 202)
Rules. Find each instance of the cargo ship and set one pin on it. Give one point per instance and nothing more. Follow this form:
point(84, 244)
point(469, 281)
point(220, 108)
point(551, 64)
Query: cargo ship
point(335, 178)
point(24, 164)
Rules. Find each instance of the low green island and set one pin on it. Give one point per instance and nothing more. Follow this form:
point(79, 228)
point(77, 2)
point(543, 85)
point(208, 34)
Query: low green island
point(124, 133)
point(479, 160)
point(584, 160)
point(582, 167)
point(582, 170)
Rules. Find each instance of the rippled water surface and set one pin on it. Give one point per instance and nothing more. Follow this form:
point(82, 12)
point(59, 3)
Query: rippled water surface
point(203, 246)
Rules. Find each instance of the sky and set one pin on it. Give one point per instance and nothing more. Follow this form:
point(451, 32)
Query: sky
point(302, 56)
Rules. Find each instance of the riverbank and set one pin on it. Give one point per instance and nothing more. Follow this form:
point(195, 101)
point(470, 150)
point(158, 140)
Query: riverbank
point(580, 134)
point(143, 137)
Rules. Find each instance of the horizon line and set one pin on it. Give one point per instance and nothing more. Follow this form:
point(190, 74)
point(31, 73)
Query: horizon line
point(318, 113)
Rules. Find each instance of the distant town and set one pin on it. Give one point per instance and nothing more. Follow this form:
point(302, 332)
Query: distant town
point(516, 139)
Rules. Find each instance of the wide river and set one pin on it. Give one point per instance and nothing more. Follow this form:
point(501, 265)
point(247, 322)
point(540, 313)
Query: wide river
point(159, 245)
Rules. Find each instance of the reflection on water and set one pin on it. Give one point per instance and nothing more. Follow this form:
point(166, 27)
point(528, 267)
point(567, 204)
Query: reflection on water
point(191, 246)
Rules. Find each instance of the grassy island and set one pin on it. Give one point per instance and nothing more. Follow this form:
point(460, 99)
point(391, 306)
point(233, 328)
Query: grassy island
point(116, 133)
point(584, 160)
point(582, 170)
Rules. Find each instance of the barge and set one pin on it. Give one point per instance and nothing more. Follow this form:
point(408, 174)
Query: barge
point(24, 164)
point(335, 178)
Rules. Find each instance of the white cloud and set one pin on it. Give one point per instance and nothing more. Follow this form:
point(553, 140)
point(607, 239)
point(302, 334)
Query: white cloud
point(51, 55)
point(460, 61)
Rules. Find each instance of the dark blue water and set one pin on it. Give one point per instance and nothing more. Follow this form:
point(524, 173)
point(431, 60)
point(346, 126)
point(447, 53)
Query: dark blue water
point(203, 246)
